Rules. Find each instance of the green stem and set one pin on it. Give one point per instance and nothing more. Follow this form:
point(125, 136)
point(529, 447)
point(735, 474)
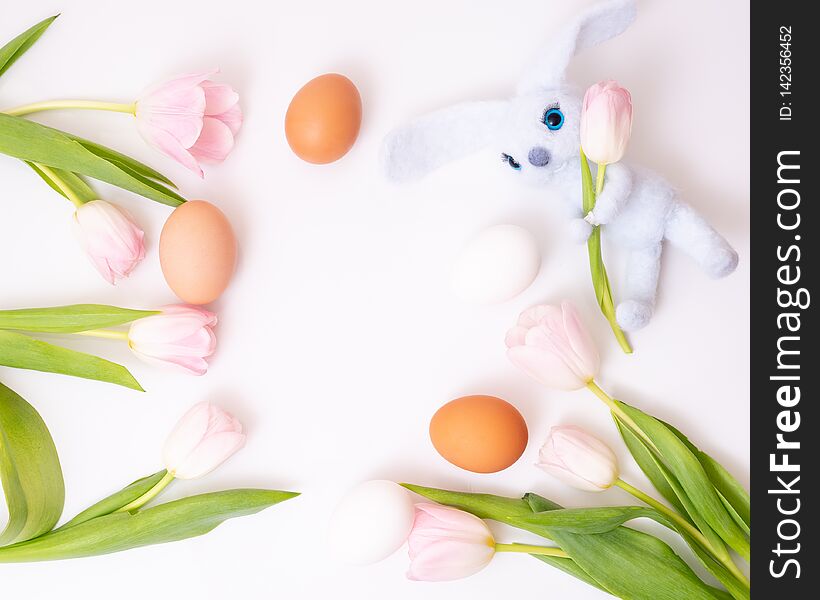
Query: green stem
point(108, 334)
point(722, 557)
point(599, 180)
point(64, 188)
point(34, 107)
point(600, 280)
point(528, 549)
point(149, 495)
point(619, 412)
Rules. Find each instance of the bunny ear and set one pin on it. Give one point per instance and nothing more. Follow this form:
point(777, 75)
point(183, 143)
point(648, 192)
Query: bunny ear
point(423, 145)
point(600, 23)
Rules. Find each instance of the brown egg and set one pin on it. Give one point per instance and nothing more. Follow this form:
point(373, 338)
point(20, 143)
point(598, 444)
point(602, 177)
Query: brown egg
point(323, 119)
point(197, 252)
point(483, 434)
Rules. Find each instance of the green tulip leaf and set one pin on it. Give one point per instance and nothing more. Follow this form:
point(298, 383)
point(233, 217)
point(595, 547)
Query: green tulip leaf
point(736, 589)
point(33, 142)
point(657, 475)
point(729, 489)
point(23, 352)
point(69, 319)
point(590, 520)
point(600, 520)
point(169, 522)
point(625, 562)
point(116, 501)
point(19, 45)
point(74, 182)
point(29, 471)
point(699, 496)
point(123, 161)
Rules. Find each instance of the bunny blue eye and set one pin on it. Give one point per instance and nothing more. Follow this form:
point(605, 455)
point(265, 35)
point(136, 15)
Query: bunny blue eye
point(510, 161)
point(554, 119)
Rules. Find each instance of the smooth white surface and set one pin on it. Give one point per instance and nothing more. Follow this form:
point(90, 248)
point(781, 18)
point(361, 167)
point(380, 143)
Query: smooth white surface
point(496, 265)
point(371, 522)
point(340, 337)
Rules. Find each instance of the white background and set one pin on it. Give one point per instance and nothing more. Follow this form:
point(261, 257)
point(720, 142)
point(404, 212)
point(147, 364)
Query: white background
point(338, 337)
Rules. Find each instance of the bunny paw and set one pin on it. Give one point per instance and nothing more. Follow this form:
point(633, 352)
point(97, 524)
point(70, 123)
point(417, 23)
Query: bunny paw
point(632, 314)
point(579, 230)
point(721, 262)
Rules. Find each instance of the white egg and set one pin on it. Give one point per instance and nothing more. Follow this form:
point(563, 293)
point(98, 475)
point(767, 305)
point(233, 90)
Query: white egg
point(371, 522)
point(497, 265)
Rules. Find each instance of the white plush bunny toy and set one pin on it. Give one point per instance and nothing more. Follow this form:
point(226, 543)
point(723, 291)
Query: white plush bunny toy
point(538, 135)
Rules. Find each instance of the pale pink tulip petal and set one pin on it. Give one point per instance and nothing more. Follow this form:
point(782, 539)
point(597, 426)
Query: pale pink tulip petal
point(446, 544)
point(190, 118)
point(606, 122)
point(180, 336)
point(187, 433)
point(544, 367)
point(516, 337)
point(448, 561)
point(111, 239)
point(232, 118)
point(211, 452)
point(170, 146)
point(219, 98)
point(205, 437)
point(533, 315)
point(580, 341)
point(214, 143)
point(551, 345)
point(202, 315)
point(178, 113)
point(579, 459)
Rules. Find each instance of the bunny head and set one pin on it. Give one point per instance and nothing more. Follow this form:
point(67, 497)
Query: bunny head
point(536, 133)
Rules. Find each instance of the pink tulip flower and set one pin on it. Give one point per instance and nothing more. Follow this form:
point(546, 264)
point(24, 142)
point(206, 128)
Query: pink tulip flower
point(606, 122)
point(551, 345)
point(180, 335)
point(204, 438)
point(110, 238)
point(191, 119)
point(579, 459)
point(446, 543)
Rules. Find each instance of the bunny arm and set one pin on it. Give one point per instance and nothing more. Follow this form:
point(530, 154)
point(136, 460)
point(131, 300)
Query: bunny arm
point(617, 188)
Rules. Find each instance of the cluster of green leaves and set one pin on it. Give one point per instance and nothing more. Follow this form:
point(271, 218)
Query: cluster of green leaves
point(70, 157)
point(33, 484)
point(620, 560)
point(602, 552)
point(697, 486)
point(22, 351)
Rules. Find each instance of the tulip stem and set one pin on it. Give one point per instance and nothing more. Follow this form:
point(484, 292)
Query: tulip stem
point(720, 554)
point(27, 109)
point(61, 185)
point(528, 549)
point(619, 412)
point(108, 334)
point(149, 495)
point(600, 280)
point(599, 180)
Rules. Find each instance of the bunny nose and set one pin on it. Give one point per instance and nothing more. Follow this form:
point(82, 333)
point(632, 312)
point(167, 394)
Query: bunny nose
point(539, 156)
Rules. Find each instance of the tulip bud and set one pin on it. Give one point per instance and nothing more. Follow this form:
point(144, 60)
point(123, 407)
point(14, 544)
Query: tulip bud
point(606, 122)
point(204, 438)
point(190, 119)
point(370, 523)
point(180, 335)
point(578, 459)
point(447, 543)
point(551, 345)
point(110, 238)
